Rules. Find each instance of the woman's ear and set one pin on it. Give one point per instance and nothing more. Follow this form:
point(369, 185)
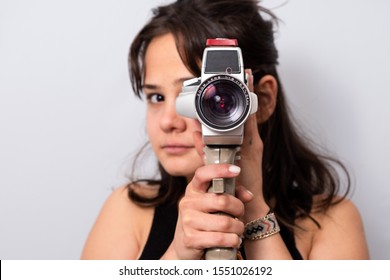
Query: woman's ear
point(267, 92)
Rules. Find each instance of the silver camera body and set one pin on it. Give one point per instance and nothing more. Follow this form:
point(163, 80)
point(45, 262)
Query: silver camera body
point(220, 98)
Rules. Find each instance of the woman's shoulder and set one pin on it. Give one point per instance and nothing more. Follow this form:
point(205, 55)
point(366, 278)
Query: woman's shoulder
point(120, 206)
point(121, 228)
point(119, 201)
point(340, 234)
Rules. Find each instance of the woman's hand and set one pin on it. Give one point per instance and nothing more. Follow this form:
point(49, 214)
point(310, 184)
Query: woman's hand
point(251, 154)
point(197, 227)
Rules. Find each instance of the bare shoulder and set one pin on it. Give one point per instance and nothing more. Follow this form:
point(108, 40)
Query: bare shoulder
point(340, 236)
point(120, 230)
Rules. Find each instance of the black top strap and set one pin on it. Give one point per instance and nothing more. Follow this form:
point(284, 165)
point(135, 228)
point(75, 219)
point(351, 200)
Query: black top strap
point(162, 232)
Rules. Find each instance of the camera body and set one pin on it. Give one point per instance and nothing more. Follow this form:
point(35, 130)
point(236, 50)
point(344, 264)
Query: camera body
point(220, 98)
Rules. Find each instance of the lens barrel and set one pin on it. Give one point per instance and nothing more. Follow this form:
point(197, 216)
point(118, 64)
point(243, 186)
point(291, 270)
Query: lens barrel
point(222, 102)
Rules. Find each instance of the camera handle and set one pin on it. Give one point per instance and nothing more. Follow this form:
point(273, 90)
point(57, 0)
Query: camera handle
point(219, 155)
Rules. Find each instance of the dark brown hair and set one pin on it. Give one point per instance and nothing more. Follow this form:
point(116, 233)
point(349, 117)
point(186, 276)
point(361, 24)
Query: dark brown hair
point(293, 172)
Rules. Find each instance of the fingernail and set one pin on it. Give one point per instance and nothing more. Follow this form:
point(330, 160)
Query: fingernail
point(234, 169)
point(251, 193)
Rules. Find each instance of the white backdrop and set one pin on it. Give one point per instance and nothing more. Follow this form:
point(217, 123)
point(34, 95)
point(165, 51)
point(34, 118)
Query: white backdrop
point(69, 122)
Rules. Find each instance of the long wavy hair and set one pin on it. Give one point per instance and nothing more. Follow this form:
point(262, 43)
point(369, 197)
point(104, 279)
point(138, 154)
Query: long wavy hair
point(294, 171)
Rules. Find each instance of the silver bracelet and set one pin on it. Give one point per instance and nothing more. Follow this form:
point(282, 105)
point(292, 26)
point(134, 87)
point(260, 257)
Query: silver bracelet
point(262, 228)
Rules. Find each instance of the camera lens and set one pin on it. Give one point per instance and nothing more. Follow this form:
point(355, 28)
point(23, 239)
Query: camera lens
point(222, 103)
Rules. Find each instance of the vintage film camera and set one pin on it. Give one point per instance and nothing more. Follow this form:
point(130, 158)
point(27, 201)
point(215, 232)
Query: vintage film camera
point(219, 99)
point(222, 102)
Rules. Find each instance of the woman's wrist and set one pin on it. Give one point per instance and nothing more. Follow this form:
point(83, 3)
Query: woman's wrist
point(255, 209)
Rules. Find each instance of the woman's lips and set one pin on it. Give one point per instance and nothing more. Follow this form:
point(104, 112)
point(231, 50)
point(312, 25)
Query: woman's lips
point(176, 149)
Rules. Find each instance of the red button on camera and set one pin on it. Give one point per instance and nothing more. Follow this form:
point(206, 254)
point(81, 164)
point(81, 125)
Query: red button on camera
point(221, 42)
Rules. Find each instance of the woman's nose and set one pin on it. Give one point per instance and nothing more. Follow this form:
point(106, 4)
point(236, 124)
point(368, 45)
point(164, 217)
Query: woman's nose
point(170, 120)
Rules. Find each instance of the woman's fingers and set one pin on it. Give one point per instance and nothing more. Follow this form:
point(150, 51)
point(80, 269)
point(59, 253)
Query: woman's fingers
point(217, 222)
point(244, 194)
point(205, 240)
point(205, 174)
point(203, 230)
point(249, 79)
point(212, 203)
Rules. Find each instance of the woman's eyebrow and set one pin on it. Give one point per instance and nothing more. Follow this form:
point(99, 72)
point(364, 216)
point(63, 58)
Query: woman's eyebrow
point(150, 86)
point(177, 82)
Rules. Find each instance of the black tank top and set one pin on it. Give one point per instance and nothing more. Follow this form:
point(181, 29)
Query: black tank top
point(163, 229)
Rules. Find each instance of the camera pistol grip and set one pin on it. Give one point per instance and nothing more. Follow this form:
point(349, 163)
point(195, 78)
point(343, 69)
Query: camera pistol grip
point(218, 155)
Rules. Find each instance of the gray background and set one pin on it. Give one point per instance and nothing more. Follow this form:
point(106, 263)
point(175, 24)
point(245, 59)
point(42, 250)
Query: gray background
point(69, 123)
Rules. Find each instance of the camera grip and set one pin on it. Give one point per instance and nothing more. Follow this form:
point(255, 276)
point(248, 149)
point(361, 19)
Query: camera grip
point(220, 155)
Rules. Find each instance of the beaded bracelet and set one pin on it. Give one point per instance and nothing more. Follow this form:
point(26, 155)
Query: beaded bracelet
point(262, 228)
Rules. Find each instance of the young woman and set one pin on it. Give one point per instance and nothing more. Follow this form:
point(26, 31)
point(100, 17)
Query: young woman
point(281, 179)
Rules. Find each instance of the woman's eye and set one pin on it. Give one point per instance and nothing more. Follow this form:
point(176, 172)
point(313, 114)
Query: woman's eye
point(154, 98)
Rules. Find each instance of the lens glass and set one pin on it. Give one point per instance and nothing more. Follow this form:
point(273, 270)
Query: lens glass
point(222, 104)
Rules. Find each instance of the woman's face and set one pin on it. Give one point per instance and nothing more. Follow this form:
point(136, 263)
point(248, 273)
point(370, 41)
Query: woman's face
point(170, 134)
